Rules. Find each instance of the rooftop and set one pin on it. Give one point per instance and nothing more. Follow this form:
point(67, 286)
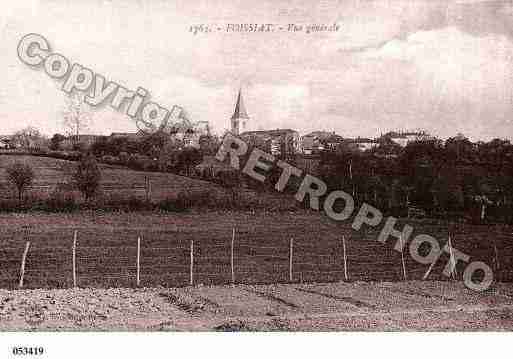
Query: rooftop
point(275, 132)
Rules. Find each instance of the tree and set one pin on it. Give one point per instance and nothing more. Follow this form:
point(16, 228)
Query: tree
point(168, 155)
point(21, 175)
point(28, 138)
point(55, 141)
point(101, 147)
point(87, 176)
point(187, 159)
point(208, 145)
point(76, 116)
point(459, 149)
point(151, 145)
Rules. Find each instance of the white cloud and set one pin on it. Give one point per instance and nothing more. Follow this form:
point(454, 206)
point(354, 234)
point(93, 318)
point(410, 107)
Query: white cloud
point(446, 80)
point(455, 60)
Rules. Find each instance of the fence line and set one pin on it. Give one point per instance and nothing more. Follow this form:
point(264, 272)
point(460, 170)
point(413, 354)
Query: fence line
point(204, 267)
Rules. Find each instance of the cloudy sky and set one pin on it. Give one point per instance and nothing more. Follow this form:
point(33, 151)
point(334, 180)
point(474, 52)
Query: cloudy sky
point(443, 66)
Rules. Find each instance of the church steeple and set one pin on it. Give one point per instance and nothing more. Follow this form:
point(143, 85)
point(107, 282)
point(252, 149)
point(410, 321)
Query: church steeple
point(240, 116)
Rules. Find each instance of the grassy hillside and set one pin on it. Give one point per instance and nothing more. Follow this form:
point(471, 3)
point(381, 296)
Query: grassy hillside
point(125, 182)
point(106, 249)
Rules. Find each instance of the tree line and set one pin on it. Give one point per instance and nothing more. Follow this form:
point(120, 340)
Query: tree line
point(458, 177)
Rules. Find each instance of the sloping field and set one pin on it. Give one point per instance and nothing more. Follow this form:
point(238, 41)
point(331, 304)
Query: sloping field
point(107, 252)
point(125, 182)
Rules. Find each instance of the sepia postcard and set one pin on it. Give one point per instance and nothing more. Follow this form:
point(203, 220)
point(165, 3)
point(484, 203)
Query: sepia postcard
point(255, 166)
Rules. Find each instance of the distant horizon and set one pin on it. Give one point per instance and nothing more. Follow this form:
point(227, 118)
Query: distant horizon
point(443, 66)
point(510, 139)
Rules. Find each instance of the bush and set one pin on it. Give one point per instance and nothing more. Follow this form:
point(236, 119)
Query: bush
point(141, 162)
point(61, 155)
point(61, 200)
point(79, 147)
point(111, 160)
point(124, 157)
point(172, 204)
point(185, 200)
point(118, 202)
point(10, 205)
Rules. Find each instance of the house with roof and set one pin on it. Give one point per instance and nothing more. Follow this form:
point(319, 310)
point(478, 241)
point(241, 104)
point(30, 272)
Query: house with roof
point(133, 136)
point(361, 143)
point(8, 143)
point(277, 141)
point(402, 138)
point(83, 140)
point(190, 136)
point(318, 141)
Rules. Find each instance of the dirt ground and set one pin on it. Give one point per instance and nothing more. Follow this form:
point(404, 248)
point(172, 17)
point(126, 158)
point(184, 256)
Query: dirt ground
point(414, 305)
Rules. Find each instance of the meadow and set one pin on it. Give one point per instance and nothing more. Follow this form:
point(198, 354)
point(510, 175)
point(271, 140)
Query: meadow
point(107, 241)
point(50, 172)
point(107, 249)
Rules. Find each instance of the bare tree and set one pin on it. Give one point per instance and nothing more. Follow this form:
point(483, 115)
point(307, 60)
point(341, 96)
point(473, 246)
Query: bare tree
point(21, 175)
point(76, 116)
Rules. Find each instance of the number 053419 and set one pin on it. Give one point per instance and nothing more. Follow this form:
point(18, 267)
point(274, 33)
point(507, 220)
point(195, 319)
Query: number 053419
point(25, 351)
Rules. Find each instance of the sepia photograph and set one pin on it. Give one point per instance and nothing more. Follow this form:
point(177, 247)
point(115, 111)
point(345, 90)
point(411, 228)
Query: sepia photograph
point(267, 167)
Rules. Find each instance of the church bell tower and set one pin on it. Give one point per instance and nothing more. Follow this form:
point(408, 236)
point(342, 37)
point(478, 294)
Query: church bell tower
point(239, 118)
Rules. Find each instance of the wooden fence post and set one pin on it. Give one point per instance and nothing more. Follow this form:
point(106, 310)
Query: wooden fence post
point(147, 186)
point(232, 255)
point(497, 264)
point(345, 257)
point(23, 259)
point(192, 263)
point(291, 252)
point(138, 261)
point(453, 262)
point(496, 254)
point(430, 269)
point(402, 258)
point(75, 259)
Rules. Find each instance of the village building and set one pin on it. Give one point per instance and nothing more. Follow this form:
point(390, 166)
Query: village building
point(277, 141)
point(361, 143)
point(128, 135)
point(84, 141)
point(402, 138)
point(8, 143)
point(191, 136)
point(240, 117)
point(319, 141)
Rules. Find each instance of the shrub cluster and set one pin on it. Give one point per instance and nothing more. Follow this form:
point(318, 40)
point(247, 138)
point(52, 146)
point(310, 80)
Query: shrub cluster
point(65, 199)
